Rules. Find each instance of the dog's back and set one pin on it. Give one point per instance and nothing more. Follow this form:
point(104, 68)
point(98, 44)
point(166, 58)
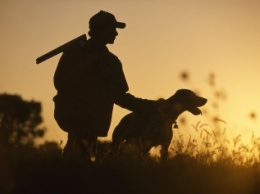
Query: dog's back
point(131, 126)
point(145, 131)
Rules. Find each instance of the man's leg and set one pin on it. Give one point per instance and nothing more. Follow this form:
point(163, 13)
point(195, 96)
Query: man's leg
point(80, 149)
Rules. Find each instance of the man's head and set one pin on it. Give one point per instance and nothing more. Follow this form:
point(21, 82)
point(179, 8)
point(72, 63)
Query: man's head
point(103, 26)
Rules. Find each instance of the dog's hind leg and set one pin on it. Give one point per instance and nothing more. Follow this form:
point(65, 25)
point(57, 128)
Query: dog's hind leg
point(116, 148)
point(146, 145)
point(118, 139)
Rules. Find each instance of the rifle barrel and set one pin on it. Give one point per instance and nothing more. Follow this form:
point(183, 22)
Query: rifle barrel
point(60, 49)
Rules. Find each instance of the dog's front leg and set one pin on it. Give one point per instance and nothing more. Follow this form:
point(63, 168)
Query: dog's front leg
point(164, 153)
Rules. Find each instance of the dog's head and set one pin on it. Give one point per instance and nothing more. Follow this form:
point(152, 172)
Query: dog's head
point(187, 100)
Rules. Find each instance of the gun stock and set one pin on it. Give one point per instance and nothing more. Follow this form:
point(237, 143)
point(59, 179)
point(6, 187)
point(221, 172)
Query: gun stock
point(61, 48)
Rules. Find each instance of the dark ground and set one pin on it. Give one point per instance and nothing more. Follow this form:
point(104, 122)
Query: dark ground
point(25, 171)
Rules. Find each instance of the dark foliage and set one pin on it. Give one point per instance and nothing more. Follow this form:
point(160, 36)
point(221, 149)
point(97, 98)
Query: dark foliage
point(37, 171)
point(19, 121)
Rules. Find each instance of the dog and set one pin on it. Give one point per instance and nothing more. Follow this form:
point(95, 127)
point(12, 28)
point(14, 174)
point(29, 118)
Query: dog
point(148, 130)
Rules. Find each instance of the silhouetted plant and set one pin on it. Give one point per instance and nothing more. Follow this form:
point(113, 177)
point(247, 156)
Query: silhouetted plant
point(19, 121)
point(50, 149)
point(213, 145)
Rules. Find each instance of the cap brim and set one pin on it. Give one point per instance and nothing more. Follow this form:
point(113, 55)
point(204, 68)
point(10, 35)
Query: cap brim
point(120, 25)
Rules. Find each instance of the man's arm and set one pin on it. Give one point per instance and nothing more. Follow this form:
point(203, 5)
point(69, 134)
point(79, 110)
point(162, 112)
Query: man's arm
point(112, 68)
point(139, 105)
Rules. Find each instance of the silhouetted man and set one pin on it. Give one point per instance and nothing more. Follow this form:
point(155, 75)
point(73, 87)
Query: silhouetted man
point(89, 79)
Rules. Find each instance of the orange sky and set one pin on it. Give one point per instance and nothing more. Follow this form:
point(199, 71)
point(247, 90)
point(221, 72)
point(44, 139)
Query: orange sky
point(162, 38)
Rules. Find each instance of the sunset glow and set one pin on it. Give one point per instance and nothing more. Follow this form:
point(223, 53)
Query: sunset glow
point(162, 40)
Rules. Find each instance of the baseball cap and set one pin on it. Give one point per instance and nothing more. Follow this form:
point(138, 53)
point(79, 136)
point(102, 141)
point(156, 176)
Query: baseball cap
point(103, 19)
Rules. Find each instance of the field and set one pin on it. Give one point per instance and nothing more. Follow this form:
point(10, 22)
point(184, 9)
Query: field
point(42, 170)
point(210, 163)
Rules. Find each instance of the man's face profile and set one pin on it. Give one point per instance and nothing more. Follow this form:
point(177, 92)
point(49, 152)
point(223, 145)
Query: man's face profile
point(110, 34)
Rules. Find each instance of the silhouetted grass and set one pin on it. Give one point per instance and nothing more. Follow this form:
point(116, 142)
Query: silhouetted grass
point(37, 171)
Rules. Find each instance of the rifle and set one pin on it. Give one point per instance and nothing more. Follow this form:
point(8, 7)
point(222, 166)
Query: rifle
point(61, 48)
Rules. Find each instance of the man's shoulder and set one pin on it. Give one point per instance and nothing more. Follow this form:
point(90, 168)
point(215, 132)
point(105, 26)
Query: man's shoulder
point(112, 54)
point(74, 50)
point(108, 55)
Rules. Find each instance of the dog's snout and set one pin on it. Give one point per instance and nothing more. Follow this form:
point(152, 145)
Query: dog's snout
point(201, 101)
